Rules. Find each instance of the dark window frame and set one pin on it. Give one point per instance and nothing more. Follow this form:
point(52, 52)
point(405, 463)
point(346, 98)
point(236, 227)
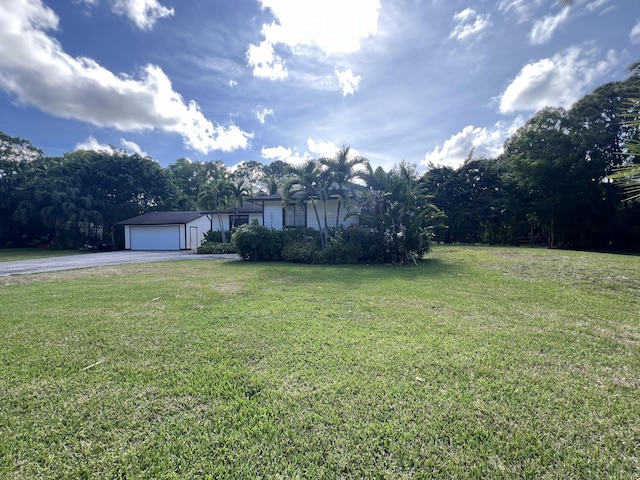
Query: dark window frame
point(299, 215)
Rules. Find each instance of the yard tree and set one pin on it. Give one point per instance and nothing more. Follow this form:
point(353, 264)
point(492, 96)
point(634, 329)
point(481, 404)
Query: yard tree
point(310, 182)
point(121, 185)
point(345, 169)
point(19, 159)
point(397, 206)
point(216, 196)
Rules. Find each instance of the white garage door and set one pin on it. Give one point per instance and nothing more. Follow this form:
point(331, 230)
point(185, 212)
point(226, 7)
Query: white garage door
point(166, 237)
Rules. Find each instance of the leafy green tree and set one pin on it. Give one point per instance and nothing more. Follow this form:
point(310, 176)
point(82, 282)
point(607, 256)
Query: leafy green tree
point(19, 161)
point(120, 185)
point(191, 178)
point(474, 199)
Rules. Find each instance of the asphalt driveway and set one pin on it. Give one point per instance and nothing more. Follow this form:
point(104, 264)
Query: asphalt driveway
point(72, 262)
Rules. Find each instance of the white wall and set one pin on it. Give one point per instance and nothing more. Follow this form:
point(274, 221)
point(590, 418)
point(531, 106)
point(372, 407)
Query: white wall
point(272, 214)
point(203, 225)
point(332, 212)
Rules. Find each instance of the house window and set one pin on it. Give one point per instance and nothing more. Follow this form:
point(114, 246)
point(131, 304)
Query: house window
point(295, 216)
point(237, 221)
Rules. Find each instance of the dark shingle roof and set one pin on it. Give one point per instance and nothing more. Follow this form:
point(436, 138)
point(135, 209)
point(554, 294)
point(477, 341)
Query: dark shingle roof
point(245, 208)
point(162, 218)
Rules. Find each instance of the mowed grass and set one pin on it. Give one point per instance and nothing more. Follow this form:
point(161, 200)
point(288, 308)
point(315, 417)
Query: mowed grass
point(12, 254)
point(478, 363)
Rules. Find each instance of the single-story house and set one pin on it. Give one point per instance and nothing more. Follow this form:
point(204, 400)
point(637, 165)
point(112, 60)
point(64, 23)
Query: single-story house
point(183, 230)
point(186, 230)
point(302, 214)
point(232, 217)
point(165, 231)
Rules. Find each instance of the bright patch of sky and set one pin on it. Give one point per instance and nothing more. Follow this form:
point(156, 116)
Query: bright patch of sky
point(421, 81)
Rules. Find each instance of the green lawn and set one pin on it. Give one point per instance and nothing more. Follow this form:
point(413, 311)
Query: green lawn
point(11, 254)
point(478, 363)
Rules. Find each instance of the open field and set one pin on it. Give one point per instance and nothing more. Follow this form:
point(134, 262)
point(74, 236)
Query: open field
point(479, 363)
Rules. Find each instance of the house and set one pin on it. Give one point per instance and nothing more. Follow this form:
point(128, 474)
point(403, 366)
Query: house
point(186, 230)
point(183, 230)
point(302, 214)
point(232, 217)
point(165, 230)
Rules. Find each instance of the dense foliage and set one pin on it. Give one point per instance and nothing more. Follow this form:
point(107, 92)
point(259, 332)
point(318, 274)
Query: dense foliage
point(556, 184)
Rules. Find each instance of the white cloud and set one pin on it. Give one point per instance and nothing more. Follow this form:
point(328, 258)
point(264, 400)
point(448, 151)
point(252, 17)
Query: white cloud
point(333, 26)
point(556, 82)
point(315, 149)
point(485, 142)
point(597, 4)
point(348, 81)
point(469, 23)
point(133, 147)
point(265, 63)
point(543, 29)
point(522, 8)
point(79, 88)
point(322, 149)
point(92, 144)
point(634, 35)
point(261, 115)
point(284, 154)
point(143, 13)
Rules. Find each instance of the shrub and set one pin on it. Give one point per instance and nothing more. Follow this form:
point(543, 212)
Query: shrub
point(218, 248)
point(213, 236)
point(337, 251)
point(300, 251)
point(257, 243)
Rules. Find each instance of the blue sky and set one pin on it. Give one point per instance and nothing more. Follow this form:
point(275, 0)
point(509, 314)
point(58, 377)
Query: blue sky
point(237, 80)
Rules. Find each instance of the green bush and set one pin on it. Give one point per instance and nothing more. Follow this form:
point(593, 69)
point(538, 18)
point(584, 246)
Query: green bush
point(257, 243)
point(300, 251)
point(218, 248)
point(213, 236)
point(337, 251)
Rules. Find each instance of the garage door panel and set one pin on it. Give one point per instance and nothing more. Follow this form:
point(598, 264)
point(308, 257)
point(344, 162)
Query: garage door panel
point(165, 237)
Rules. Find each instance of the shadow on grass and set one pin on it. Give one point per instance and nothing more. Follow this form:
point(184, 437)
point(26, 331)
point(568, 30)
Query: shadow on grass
point(428, 268)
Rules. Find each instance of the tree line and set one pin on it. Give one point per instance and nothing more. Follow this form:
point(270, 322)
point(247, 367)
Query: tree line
point(556, 184)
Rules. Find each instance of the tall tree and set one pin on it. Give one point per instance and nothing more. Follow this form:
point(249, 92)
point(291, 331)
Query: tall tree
point(344, 169)
point(310, 182)
point(216, 196)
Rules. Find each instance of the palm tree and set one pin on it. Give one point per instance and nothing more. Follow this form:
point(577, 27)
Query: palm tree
point(216, 196)
point(238, 190)
point(309, 182)
point(344, 168)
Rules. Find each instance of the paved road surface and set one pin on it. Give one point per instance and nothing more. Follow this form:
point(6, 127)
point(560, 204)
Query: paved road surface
point(72, 262)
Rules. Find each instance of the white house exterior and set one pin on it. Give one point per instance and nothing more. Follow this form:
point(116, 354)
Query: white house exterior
point(186, 230)
point(231, 217)
point(276, 216)
point(165, 231)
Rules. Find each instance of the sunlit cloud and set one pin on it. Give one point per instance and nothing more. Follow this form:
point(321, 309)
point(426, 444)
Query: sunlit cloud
point(543, 29)
point(80, 88)
point(482, 141)
point(468, 24)
point(348, 81)
point(557, 81)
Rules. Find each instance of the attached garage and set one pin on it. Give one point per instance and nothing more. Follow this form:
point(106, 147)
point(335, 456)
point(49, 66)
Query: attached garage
point(165, 231)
